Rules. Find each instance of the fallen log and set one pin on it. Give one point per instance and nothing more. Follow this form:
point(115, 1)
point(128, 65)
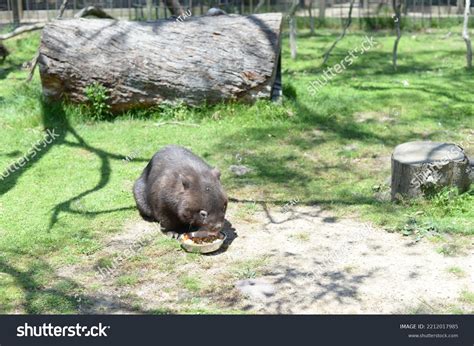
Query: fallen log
point(422, 168)
point(200, 60)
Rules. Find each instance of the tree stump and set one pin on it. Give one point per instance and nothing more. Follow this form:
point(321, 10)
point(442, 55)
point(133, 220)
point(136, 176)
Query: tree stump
point(206, 59)
point(421, 168)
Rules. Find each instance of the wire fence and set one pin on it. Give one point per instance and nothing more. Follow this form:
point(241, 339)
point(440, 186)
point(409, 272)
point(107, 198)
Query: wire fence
point(33, 11)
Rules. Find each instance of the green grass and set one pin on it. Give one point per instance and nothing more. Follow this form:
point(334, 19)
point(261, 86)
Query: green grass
point(456, 271)
point(302, 237)
point(331, 150)
point(127, 280)
point(192, 284)
point(249, 269)
point(467, 297)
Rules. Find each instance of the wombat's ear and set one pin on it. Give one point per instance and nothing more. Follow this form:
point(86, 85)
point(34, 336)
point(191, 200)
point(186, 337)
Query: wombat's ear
point(216, 173)
point(185, 181)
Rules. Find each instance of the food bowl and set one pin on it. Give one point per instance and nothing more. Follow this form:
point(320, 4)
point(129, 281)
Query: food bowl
point(189, 245)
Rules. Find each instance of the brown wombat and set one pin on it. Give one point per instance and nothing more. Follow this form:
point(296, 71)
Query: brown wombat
point(181, 191)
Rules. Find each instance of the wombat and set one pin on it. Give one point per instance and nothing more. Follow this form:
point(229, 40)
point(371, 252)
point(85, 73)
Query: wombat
point(181, 191)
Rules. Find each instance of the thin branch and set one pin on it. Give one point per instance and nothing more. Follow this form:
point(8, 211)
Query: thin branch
point(22, 30)
point(260, 4)
point(293, 8)
point(34, 62)
point(348, 23)
point(91, 10)
point(61, 9)
point(32, 65)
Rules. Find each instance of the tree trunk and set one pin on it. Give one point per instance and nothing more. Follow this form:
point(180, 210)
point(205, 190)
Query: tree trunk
point(149, 9)
point(397, 18)
point(292, 23)
point(322, 10)
point(16, 9)
point(465, 34)
point(311, 17)
point(431, 12)
point(460, 6)
point(293, 37)
point(422, 13)
point(203, 59)
point(341, 36)
point(175, 7)
point(420, 168)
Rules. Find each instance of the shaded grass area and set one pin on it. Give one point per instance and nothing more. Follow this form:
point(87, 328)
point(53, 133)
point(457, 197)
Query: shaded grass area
point(332, 149)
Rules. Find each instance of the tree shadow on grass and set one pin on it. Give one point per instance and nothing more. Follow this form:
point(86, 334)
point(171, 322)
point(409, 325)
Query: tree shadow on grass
point(297, 172)
point(55, 118)
point(4, 72)
point(64, 296)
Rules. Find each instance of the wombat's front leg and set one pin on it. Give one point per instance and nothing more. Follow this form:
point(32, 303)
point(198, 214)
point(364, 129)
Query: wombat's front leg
point(171, 224)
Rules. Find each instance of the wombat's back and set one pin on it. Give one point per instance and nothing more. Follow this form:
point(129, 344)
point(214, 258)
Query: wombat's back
point(176, 158)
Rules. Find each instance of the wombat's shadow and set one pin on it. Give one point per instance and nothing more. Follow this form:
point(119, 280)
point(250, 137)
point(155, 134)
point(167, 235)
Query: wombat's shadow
point(230, 233)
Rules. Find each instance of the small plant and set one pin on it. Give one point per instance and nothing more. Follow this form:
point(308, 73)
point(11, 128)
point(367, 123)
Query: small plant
point(467, 297)
point(302, 237)
point(458, 272)
point(127, 280)
point(450, 250)
point(449, 202)
point(97, 96)
point(249, 269)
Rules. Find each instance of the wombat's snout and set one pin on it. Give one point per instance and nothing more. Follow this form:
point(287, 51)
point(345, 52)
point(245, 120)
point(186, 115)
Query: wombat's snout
point(217, 227)
point(210, 222)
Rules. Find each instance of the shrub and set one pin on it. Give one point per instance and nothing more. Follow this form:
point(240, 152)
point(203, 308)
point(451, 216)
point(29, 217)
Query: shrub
point(97, 96)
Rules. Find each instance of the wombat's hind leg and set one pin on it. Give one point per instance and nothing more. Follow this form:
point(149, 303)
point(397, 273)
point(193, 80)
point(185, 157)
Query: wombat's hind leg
point(140, 198)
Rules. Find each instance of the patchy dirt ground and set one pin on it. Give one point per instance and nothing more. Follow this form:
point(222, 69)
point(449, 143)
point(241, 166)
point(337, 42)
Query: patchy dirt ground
point(301, 260)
